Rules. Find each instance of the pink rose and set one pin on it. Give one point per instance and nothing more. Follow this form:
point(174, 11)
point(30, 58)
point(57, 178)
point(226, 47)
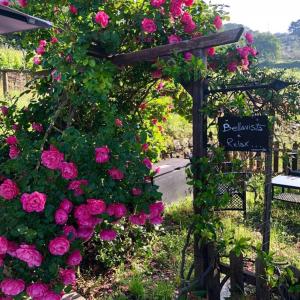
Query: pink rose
point(156, 220)
point(136, 192)
point(157, 3)
point(61, 217)
point(36, 290)
point(8, 189)
point(76, 186)
point(40, 50)
point(82, 212)
point(116, 174)
point(211, 51)
point(68, 277)
point(37, 60)
point(218, 22)
point(42, 43)
point(4, 110)
point(145, 147)
point(156, 209)
point(108, 235)
point(117, 209)
point(232, 67)
point(91, 221)
point(176, 8)
point(34, 202)
point(2, 257)
point(74, 258)
point(70, 232)
point(56, 76)
point(12, 140)
point(188, 2)
point(52, 158)
point(102, 19)
point(50, 295)
point(54, 40)
point(149, 25)
point(14, 152)
point(73, 10)
point(156, 74)
point(190, 27)
point(12, 247)
point(66, 205)
point(102, 154)
point(96, 206)
point(12, 287)
point(249, 37)
point(147, 162)
point(37, 127)
point(29, 255)
point(173, 39)
point(118, 122)
point(138, 219)
point(59, 246)
point(188, 56)
point(5, 2)
point(186, 18)
point(3, 245)
point(85, 233)
point(68, 170)
point(243, 52)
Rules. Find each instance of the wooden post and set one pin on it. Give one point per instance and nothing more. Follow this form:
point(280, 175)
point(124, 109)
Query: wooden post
point(276, 157)
point(236, 276)
point(268, 194)
point(285, 163)
point(5, 83)
point(262, 289)
point(295, 156)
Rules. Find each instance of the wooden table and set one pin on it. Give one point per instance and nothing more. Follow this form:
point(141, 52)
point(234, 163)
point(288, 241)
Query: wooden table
point(287, 182)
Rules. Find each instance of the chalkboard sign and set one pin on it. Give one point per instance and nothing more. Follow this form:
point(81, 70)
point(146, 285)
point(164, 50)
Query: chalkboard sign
point(244, 133)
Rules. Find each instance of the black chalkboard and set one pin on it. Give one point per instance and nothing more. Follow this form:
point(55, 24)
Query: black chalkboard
point(244, 133)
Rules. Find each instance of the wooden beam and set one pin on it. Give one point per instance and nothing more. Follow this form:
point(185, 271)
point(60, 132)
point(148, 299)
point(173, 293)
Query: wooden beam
point(151, 54)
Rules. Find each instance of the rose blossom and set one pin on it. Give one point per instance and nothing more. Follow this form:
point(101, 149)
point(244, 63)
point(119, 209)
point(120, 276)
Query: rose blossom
point(12, 247)
point(157, 3)
point(118, 122)
point(176, 8)
point(56, 76)
point(73, 10)
point(138, 219)
point(59, 246)
point(145, 147)
point(96, 206)
point(12, 140)
point(50, 295)
point(249, 37)
point(211, 51)
point(76, 186)
point(68, 170)
point(102, 154)
point(52, 158)
point(85, 233)
point(108, 235)
point(91, 221)
point(5, 2)
point(156, 220)
point(37, 60)
point(3, 245)
point(37, 290)
point(37, 127)
point(14, 152)
point(68, 277)
point(173, 39)
point(102, 19)
point(34, 202)
point(8, 189)
point(188, 56)
point(70, 232)
point(4, 110)
point(66, 205)
point(40, 50)
point(156, 74)
point(116, 209)
point(156, 209)
point(61, 217)
point(232, 67)
point(147, 162)
point(149, 25)
point(81, 212)
point(2, 257)
point(136, 192)
point(188, 2)
point(74, 258)
point(12, 287)
point(116, 174)
point(54, 40)
point(218, 22)
point(30, 255)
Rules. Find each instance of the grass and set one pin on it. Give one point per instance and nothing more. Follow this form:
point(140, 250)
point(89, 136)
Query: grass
point(153, 274)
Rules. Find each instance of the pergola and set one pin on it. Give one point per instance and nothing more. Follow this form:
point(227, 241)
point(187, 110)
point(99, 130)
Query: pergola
point(12, 20)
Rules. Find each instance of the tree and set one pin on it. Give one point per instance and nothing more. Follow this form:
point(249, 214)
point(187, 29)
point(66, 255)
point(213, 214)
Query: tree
point(295, 28)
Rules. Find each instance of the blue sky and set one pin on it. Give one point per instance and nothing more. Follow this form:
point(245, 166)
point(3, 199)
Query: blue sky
point(263, 15)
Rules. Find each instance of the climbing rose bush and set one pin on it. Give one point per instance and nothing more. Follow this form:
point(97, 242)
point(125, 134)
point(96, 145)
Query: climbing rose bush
point(75, 162)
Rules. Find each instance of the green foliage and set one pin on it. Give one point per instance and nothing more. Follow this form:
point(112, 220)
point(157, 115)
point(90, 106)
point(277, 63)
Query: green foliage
point(295, 28)
point(11, 59)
